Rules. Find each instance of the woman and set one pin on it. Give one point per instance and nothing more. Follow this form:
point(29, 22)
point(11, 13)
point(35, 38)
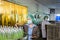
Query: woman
point(31, 30)
point(44, 22)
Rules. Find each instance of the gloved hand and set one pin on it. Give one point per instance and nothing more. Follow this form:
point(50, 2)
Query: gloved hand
point(25, 38)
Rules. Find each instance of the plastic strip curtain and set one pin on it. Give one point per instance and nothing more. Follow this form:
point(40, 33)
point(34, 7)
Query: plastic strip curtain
point(12, 13)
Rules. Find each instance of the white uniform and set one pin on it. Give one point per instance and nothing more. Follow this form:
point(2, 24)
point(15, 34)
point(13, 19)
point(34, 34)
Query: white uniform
point(43, 28)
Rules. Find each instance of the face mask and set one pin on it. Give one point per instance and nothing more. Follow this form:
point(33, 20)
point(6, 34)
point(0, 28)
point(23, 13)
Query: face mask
point(29, 21)
point(47, 19)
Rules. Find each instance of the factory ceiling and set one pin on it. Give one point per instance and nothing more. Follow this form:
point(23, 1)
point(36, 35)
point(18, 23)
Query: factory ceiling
point(50, 3)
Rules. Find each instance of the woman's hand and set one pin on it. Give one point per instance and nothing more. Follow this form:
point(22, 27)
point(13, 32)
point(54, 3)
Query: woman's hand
point(15, 25)
point(34, 37)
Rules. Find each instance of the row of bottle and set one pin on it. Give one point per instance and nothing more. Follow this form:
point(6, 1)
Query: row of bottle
point(10, 29)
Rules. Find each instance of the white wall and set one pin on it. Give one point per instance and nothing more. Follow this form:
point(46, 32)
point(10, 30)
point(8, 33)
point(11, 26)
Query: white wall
point(57, 11)
point(32, 7)
point(52, 17)
point(44, 9)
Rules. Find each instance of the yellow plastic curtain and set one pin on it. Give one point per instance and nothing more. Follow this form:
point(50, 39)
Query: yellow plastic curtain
point(12, 13)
